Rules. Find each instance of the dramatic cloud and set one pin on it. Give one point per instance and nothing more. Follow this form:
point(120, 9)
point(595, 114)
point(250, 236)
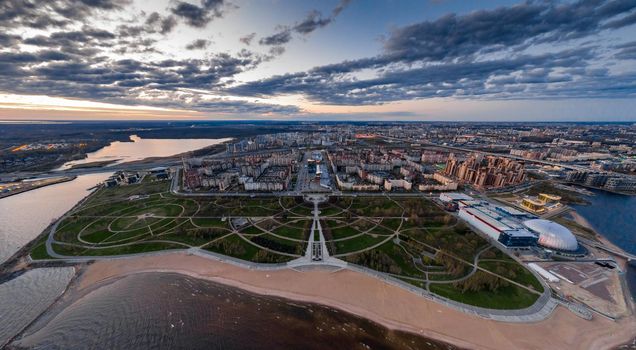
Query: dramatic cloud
point(199, 16)
point(340, 7)
point(8, 40)
point(622, 22)
point(167, 24)
point(280, 38)
point(455, 56)
point(85, 42)
point(51, 13)
point(247, 39)
point(313, 21)
point(124, 81)
point(226, 106)
point(495, 78)
point(155, 23)
point(111, 51)
point(198, 44)
point(626, 51)
point(276, 51)
point(455, 36)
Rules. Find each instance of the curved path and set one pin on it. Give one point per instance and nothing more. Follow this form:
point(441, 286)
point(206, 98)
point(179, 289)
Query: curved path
point(541, 309)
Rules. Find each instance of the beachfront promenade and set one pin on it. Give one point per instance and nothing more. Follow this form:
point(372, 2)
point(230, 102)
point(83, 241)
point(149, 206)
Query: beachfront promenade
point(540, 310)
point(317, 257)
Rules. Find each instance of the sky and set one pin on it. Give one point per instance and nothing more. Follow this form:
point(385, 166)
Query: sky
point(318, 60)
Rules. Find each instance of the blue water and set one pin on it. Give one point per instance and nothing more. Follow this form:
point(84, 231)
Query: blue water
point(614, 216)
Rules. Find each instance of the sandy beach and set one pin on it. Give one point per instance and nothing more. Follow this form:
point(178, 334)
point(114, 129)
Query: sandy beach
point(385, 304)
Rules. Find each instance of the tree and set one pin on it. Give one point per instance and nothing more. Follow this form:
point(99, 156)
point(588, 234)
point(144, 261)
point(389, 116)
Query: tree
point(481, 281)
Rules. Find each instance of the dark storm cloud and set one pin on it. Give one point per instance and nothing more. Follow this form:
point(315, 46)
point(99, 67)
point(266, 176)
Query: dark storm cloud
point(199, 16)
point(198, 44)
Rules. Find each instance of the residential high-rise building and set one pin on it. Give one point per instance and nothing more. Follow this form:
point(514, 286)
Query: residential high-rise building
point(486, 171)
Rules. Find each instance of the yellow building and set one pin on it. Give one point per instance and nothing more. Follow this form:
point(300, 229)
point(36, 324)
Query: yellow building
point(533, 205)
point(548, 198)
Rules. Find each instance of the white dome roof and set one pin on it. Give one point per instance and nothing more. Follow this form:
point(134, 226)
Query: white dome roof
point(552, 235)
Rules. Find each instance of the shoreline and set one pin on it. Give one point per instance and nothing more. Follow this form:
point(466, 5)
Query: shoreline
point(60, 180)
point(381, 303)
point(579, 219)
point(95, 164)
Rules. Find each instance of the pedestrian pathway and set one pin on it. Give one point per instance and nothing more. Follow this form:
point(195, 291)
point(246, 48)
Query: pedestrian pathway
point(316, 253)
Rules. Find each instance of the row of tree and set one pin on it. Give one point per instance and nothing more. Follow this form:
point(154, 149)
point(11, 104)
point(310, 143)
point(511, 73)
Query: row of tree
point(376, 260)
point(453, 266)
point(481, 281)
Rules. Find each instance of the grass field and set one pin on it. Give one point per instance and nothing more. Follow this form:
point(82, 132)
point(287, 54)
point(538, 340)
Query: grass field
point(509, 297)
point(409, 238)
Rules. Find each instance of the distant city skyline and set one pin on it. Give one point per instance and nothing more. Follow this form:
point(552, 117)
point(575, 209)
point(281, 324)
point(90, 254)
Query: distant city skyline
point(329, 60)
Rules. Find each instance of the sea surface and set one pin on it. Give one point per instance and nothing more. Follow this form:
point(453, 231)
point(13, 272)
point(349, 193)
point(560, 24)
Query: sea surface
point(24, 216)
point(173, 311)
point(614, 217)
point(25, 297)
point(140, 149)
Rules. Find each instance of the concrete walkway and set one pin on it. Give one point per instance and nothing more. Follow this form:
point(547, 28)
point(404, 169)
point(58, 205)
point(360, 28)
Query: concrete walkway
point(316, 254)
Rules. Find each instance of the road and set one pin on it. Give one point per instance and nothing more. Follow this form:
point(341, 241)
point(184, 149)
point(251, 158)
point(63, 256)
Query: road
point(599, 245)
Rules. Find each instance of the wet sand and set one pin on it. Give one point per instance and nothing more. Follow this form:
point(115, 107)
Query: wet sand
point(385, 304)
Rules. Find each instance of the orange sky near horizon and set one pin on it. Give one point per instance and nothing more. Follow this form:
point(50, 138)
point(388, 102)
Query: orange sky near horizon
point(40, 107)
